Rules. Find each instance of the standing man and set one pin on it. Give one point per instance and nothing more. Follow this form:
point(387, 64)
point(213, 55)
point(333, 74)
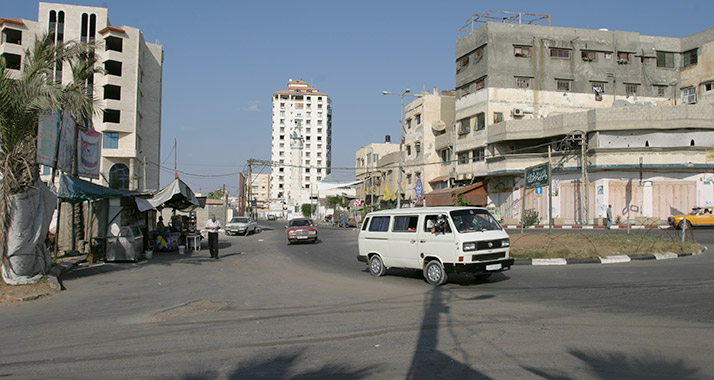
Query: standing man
point(608, 214)
point(213, 225)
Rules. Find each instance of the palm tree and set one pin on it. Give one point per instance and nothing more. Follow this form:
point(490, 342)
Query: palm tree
point(22, 100)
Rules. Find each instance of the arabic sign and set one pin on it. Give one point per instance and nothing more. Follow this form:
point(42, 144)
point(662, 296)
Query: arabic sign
point(536, 176)
point(47, 136)
point(418, 189)
point(88, 152)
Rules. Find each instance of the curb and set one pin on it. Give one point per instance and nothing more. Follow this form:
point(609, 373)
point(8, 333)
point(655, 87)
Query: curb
point(585, 227)
point(56, 272)
point(608, 259)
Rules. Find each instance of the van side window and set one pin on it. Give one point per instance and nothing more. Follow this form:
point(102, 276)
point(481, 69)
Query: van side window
point(405, 223)
point(379, 224)
point(365, 224)
point(431, 220)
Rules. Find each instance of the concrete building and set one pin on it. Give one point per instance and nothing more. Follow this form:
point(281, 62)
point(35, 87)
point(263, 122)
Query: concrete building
point(301, 143)
point(129, 91)
point(425, 120)
point(260, 189)
point(372, 169)
point(611, 105)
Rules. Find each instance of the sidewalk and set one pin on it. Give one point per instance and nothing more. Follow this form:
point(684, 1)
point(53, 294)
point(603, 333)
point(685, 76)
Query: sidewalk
point(586, 227)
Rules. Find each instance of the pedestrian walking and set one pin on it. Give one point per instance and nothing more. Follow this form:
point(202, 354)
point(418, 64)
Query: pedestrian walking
point(213, 225)
point(608, 214)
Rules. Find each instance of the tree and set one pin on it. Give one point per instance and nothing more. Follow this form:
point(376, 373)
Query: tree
point(459, 200)
point(22, 100)
point(215, 194)
point(307, 209)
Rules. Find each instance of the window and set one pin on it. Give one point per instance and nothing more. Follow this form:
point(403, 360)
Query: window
point(445, 156)
point(598, 87)
point(13, 61)
point(523, 82)
point(405, 223)
point(560, 53)
point(111, 116)
point(623, 57)
point(417, 147)
point(418, 119)
point(478, 54)
point(409, 179)
point(365, 224)
point(522, 51)
point(463, 157)
point(379, 224)
point(112, 92)
point(563, 84)
point(431, 220)
point(12, 36)
point(461, 63)
point(478, 154)
point(589, 56)
point(113, 43)
point(497, 117)
point(110, 140)
point(709, 86)
point(480, 121)
point(464, 126)
point(479, 84)
point(689, 58)
point(689, 95)
point(661, 90)
point(631, 89)
point(119, 177)
point(409, 150)
point(112, 68)
point(409, 123)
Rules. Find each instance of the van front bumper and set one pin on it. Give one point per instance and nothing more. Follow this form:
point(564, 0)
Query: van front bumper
point(485, 267)
point(362, 259)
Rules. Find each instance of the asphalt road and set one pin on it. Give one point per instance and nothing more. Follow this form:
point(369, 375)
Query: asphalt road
point(267, 310)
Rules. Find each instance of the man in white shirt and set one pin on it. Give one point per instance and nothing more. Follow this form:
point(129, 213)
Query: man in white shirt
point(213, 225)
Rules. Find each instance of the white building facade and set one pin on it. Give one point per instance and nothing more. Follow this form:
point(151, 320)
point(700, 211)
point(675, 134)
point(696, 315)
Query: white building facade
point(129, 90)
point(301, 144)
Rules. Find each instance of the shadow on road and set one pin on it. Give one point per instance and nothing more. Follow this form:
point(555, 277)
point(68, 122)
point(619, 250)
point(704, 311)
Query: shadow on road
point(619, 365)
point(282, 367)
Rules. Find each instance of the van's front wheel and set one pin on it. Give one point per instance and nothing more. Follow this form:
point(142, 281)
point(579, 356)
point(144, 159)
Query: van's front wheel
point(434, 273)
point(376, 266)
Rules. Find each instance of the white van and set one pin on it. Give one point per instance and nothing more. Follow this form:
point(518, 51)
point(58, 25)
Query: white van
point(437, 240)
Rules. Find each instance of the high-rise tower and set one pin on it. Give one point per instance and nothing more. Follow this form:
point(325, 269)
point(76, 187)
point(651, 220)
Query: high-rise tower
point(301, 143)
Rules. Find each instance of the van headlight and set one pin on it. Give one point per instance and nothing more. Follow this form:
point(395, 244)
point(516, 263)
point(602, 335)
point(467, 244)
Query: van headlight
point(469, 247)
point(291, 233)
point(506, 243)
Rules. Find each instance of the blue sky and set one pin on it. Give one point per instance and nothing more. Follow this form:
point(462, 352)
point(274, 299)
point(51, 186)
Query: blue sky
point(224, 60)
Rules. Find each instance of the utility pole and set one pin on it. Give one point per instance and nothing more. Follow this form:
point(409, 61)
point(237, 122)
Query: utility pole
point(550, 192)
point(225, 205)
point(144, 175)
point(249, 202)
point(584, 165)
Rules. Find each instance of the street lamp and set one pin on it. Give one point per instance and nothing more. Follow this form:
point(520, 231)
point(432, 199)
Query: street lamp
point(401, 140)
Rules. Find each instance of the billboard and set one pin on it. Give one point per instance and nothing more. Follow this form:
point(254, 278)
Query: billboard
point(536, 176)
point(48, 129)
point(88, 153)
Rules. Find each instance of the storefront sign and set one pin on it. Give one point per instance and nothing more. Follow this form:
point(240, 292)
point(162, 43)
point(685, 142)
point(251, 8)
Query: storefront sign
point(536, 176)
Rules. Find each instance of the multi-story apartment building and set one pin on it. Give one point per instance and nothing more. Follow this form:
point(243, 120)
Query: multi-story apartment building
point(426, 119)
point(371, 169)
point(630, 97)
point(301, 143)
point(260, 189)
point(129, 91)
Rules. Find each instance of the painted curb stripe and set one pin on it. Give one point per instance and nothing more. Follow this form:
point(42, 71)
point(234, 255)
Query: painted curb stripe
point(666, 256)
point(615, 259)
point(549, 262)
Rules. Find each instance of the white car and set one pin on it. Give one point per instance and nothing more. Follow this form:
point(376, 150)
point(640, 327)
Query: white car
point(241, 225)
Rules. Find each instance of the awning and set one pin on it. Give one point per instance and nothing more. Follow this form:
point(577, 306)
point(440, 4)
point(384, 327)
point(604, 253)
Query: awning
point(79, 189)
point(442, 178)
point(474, 194)
point(176, 195)
point(335, 185)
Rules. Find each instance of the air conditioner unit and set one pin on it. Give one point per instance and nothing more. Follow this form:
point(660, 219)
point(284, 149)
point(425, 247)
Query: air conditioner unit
point(517, 112)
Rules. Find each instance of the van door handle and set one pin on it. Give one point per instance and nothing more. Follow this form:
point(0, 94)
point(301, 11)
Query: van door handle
point(422, 241)
point(412, 241)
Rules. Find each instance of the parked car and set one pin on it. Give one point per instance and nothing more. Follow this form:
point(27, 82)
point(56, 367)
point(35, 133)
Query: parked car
point(241, 225)
point(271, 217)
point(301, 230)
point(698, 217)
point(436, 240)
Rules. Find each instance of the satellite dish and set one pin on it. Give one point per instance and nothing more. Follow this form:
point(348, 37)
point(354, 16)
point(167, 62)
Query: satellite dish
point(438, 126)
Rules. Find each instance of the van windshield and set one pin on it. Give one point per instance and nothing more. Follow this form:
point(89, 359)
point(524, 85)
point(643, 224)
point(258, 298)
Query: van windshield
point(474, 220)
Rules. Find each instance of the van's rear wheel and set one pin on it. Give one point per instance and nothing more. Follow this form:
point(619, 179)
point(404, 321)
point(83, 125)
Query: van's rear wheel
point(376, 266)
point(434, 273)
